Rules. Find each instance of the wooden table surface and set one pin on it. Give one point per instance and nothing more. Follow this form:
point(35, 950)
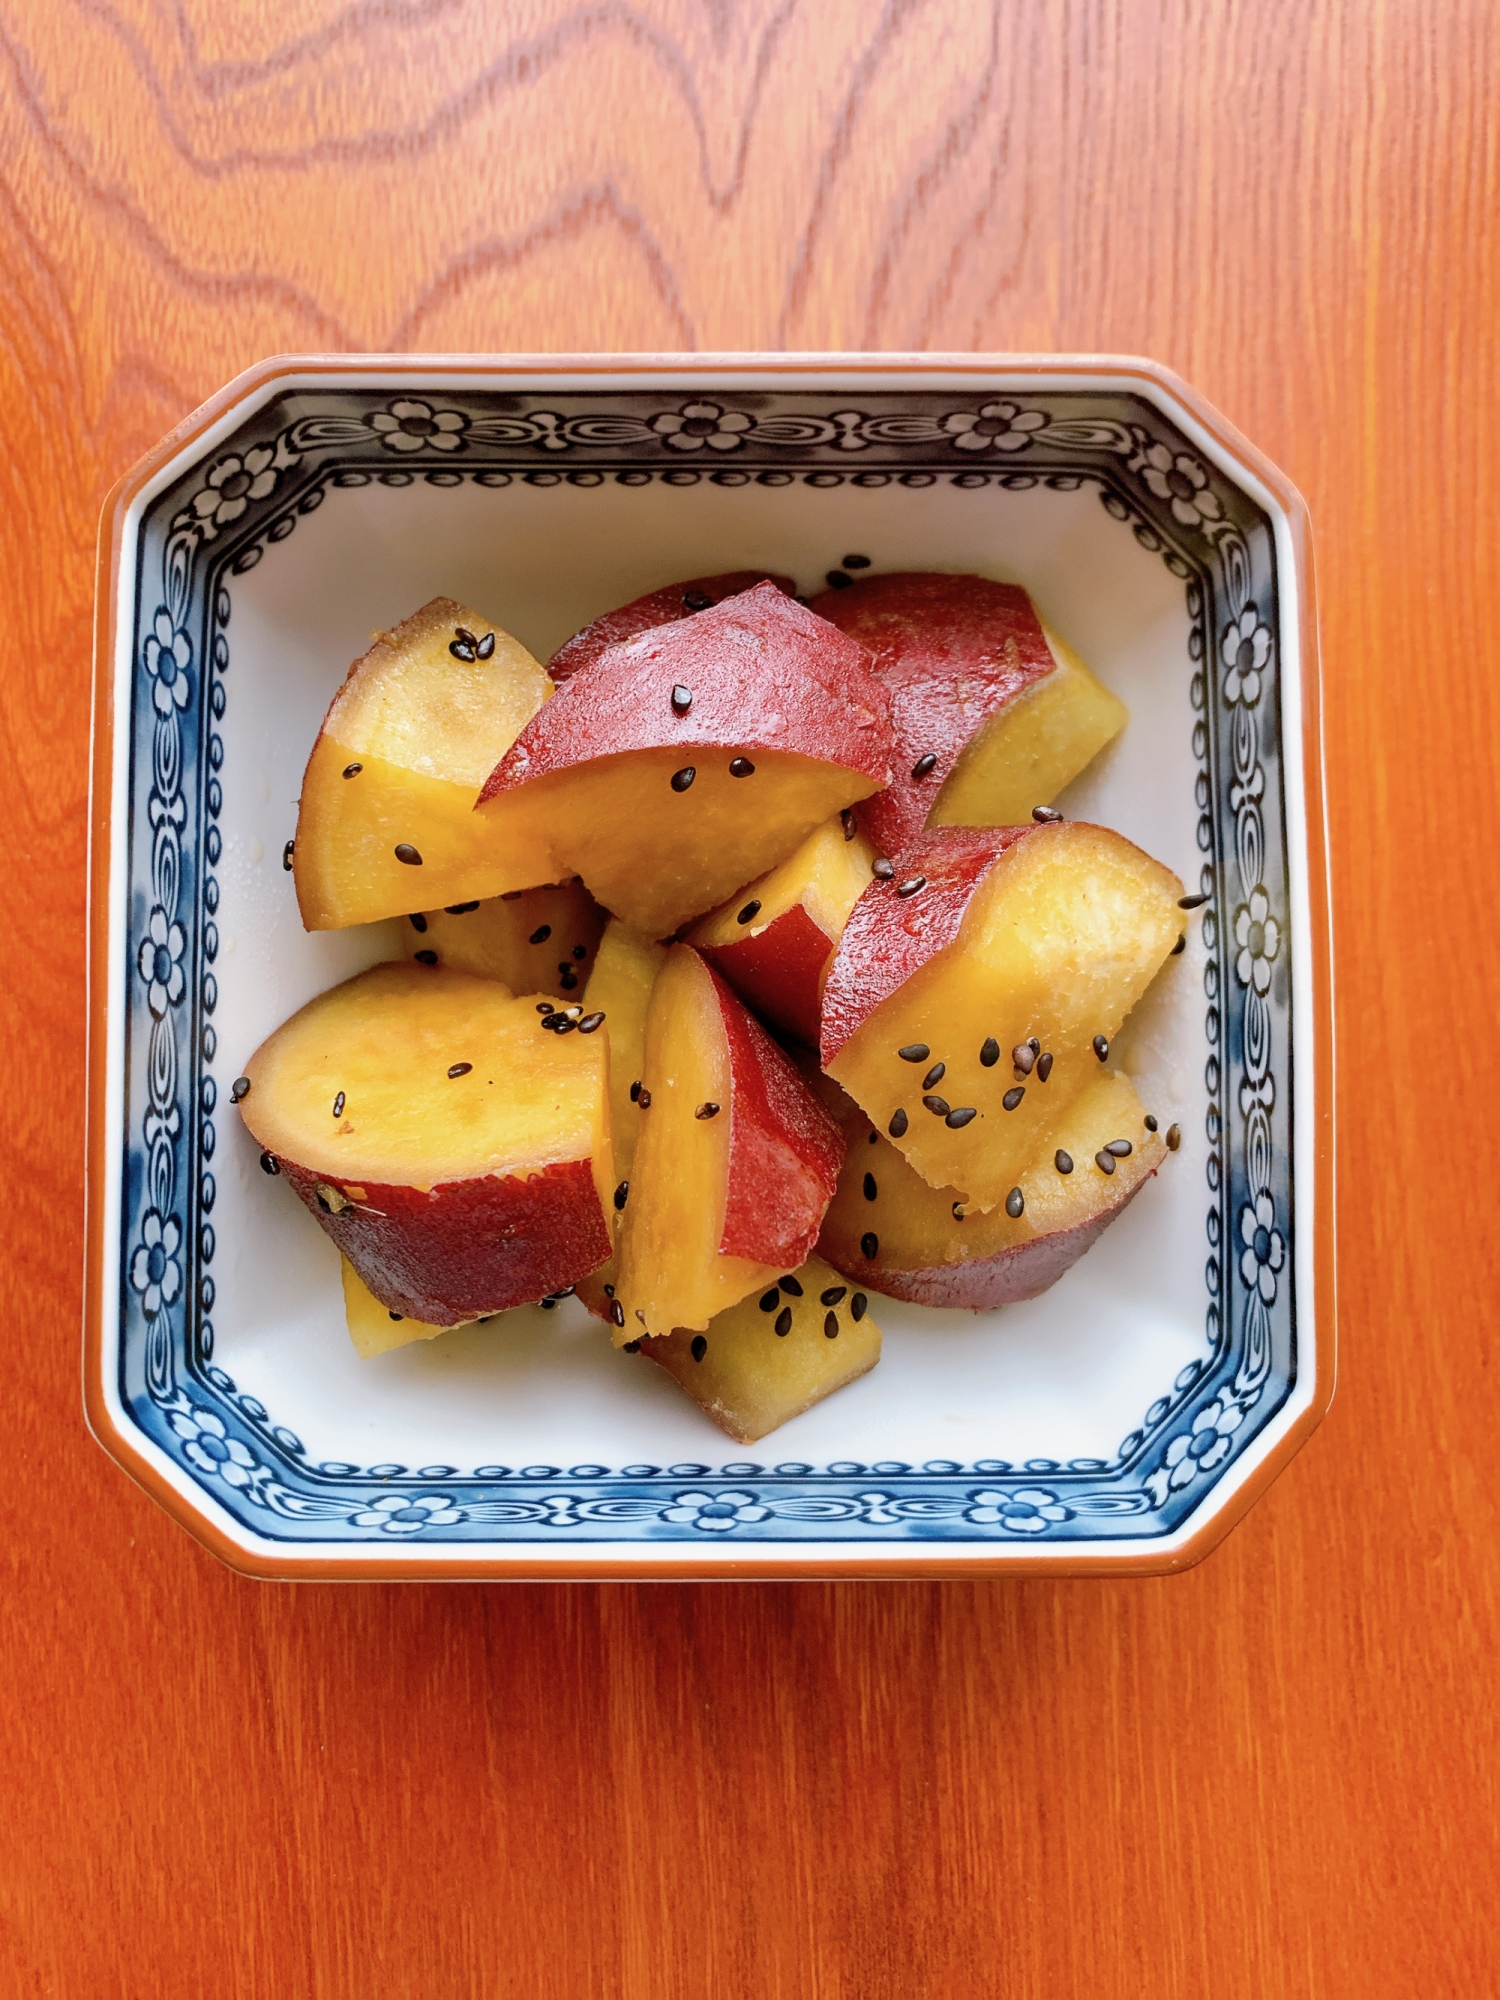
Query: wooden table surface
point(1274, 1775)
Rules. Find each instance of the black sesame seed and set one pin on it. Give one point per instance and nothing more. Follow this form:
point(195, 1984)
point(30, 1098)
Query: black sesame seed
point(461, 650)
point(874, 1138)
point(1174, 1138)
point(897, 1126)
point(417, 921)
point(1101, 1047)
point(1180, 946)
point(269, 1164)
point(831, 1327)
point(708, 1109)
point(567, 979)
point(700, 1347)
point(239, 1088)
point(784, 1322)
point(911, 885)
point(833, 1296)
point(682, 699)
point(407, 854)
point(541, 934)
point(750, 912)
point(960, 1117)
point(1121, 1148)
point(644, 1100)
point(635, 1092)
point(622, 1194)
point(1062, 1161)
point(741, 767)
point(511, 895)
point(836, 580)
point(544, 1007)
point(1023, 1055)
point(486, 646)
point(459, 1069)
point(353, 770)
point(871, 1187)
point(934, 1076)
point(849, 823)
point(882, 869)
point(924, 764)
point(1104, 1162)
point(466, 635)
point(770, 1300)
point(1013, 1096)
point(580, 951)
point(938, 1106)
point(1191, 902)
point(914, 1052)
point(397, 1317)
point(683, 778)
point(547, 1305)
point(696, 600)
point(338, 1105)
point(631, 1347)
point(564, 1026)
point(1150, 1122)
point(425, 957)
point(859, 1305)
point(1044, 1066)
point(286, 855)
point(989, 1055)
point(792, 1285)
point(459, 909)
point(1015, 1204)
point(869, 1243)
point(1045, 815)
point(609, 1291)
point(617, 1313)
point(590, 1023)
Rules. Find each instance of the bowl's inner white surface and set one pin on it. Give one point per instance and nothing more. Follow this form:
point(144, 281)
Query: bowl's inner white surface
point(1064, 1377)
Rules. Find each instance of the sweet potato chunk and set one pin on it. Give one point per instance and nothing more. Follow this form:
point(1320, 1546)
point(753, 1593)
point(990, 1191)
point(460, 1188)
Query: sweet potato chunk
point(535, 940)
point(891, 1231)
point(455, 1149)
point(992, 715)
point(1044, 935)
point(735, 1162)
point(374, 1328)
point(386, 822)
point(694, 758)
point(774, 939)
point(657, 607)
point(764, 1361)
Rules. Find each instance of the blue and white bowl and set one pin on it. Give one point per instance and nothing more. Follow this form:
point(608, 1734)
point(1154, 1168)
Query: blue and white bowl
point(1121, 1422)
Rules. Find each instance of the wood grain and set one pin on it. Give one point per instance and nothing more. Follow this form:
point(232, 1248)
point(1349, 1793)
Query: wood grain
point(1273, 1776)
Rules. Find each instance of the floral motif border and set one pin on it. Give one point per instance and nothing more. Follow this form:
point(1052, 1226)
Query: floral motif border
point(222, 517)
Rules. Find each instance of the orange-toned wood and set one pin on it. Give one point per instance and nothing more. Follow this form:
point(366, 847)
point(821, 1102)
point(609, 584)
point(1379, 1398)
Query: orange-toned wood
point(1273, 1775)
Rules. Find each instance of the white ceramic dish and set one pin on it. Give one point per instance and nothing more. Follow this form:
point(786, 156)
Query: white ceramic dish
point(1123, 1420)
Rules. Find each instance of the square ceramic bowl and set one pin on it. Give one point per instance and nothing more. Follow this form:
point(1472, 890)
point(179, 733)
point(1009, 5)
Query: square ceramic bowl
point(1123, 1421)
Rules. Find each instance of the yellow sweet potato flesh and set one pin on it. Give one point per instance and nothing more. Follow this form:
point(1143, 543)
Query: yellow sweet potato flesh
point(827, 875)
point(1024, 756)
point(1059, 941)
point(536, 941)
point(749, 1378)
point(374, 1328)
point(672, 1273)
point(656, 857)
point(917, 1226)
point(425, 730)
point(385, 1042)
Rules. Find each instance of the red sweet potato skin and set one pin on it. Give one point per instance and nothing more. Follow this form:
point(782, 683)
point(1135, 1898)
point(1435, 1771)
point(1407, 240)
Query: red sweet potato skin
point(468, 1247)
point(657, 607)
point(785, 1152)
point(762, 671)
point(953, 650)
point(1024, 1271)
point(779, 973)
point(889, 936)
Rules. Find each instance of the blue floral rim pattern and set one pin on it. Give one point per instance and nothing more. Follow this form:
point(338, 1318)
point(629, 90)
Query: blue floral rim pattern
point(230, 510)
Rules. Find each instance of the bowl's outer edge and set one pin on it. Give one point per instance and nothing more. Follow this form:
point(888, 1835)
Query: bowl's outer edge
point(821, 1561)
